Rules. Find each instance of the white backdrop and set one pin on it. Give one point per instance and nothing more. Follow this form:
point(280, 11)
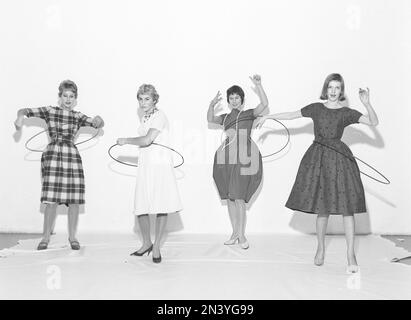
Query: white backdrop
point(189, 50)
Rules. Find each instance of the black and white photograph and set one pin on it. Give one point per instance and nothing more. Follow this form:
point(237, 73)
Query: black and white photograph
point(232, 150)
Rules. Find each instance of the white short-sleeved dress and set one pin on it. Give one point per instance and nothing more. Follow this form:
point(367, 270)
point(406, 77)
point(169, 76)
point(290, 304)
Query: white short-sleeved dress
point(156, 189)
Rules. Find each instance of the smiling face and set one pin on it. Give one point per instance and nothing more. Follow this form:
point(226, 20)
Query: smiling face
point(334, 91)
point(234, 101)
point(68, 99)
point(146, 102)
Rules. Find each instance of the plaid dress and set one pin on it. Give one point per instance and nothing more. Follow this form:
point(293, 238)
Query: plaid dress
point(61, 167)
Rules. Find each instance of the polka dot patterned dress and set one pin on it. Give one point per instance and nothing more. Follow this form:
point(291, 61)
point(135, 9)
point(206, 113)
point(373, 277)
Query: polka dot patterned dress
point(328, 179)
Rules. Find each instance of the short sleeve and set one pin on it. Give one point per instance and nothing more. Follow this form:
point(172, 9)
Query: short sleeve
point(84, 121)
point(42, 112)
point(159, 121)
point(351, 116)
point(221, 117)
point(249, 114)
point(309, 111)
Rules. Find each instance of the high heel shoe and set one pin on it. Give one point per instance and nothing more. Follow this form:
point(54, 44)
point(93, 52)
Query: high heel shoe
point(244, 245)
point(352, 268)
point(157, 259)
point(139, 254)
point(43, 245)
point(232, 241)
point(75, 245)
point(319, 259)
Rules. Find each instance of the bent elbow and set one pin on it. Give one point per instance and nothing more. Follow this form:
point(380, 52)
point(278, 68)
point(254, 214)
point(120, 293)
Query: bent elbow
point(147, 141)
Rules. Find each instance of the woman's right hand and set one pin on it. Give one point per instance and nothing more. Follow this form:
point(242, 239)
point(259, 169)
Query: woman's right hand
point(216, 100)
point(19, 123)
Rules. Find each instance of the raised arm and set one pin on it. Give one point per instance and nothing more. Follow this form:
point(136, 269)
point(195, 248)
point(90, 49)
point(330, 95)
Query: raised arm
point(142, 141)
point(256, 79)
point(211, 117)
point(371, 118)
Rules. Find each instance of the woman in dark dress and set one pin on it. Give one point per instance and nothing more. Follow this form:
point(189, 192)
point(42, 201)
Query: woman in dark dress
point(328, 179)
point(238, 166)
point(61, 166)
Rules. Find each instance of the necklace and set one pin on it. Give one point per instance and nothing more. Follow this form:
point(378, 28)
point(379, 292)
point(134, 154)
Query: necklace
point(236, 129)
point(148, 115)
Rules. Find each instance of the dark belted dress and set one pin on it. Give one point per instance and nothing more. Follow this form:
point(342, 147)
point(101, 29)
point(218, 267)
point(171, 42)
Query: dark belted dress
point(328, 179)
point(238, 166)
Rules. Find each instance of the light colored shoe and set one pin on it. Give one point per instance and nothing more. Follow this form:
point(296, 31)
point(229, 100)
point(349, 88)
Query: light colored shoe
point(231, 242)
point(352, 268)
point(318, 261)
point(244, 245)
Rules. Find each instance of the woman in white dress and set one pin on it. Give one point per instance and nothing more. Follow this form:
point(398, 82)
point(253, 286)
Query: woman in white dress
point(156, 189)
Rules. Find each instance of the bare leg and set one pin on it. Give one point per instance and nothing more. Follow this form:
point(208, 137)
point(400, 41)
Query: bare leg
point(161, 222)
point(144, 222)
point(349, 227)
point(49, 219)
point(73, 214)
point(321, 226)
point(232, 211)
point(242, 219)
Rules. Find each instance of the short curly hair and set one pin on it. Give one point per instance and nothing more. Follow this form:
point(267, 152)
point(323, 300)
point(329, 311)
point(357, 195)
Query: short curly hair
point(148, 89)
point(333, 77)
point(235, 90)
point(67, 85)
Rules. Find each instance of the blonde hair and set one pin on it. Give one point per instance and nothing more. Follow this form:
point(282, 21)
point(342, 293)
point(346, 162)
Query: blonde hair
point(67, 85)
point(148, 89)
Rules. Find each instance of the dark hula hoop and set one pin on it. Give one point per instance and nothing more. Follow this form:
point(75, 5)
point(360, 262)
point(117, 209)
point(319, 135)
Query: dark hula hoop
point(387, 181)
point(76, 144)
point(134, 165)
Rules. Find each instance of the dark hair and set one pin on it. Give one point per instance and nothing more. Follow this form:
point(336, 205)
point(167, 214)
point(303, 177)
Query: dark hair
point(67, 85)
point(235, 90)
point(333, 77)
point(148, 89)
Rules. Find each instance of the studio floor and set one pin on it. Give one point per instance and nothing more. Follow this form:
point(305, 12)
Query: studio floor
point(276, 266)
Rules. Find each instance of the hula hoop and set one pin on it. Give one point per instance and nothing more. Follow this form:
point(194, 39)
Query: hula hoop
point(387, 181)
point(134, 165)
point(270, 154)
point(368, 165)
point(37, 134)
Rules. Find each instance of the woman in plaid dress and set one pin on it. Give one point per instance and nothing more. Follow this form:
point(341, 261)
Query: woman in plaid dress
point(61, 166)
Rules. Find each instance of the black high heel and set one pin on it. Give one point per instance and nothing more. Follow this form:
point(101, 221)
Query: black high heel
point(157, 259)
point(139, 254)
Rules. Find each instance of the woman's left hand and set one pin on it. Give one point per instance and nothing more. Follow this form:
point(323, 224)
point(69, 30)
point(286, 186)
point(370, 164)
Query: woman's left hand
point(121, 141)
point(256, 79)
point(364, 96)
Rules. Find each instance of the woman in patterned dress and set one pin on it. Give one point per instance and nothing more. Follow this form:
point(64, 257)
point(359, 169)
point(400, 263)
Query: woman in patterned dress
point(156, 188)
point(328, 179)
point(238, 167)
point(61, 166)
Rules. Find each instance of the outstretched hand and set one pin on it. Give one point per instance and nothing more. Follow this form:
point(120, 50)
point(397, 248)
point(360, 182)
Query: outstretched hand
point(121, 141)
point(364, 95)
